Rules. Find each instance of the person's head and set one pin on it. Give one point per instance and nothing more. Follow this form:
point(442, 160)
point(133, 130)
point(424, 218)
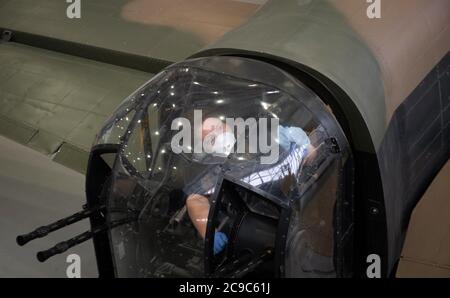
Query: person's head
point(217, 136)
point(213, 126)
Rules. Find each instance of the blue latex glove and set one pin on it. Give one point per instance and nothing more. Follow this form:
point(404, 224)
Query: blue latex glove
point(220, 242)
point(289, 135)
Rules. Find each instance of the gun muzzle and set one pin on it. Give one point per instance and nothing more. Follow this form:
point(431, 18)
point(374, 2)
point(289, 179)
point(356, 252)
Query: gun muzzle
point(61, 247)
point(45, 230)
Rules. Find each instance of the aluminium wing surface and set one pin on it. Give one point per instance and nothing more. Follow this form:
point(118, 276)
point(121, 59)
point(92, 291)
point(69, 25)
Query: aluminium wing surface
point(60, 78)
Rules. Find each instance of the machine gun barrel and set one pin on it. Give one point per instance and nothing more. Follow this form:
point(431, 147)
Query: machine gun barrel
point(61, 247)
point(45, 230)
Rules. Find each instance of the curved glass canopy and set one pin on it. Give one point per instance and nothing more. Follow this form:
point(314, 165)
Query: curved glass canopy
point(228, 167)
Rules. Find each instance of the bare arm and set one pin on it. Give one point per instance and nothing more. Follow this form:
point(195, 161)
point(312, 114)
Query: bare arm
point(198, 210)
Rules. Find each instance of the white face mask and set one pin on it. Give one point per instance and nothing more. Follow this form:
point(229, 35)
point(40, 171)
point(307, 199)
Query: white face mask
point(221, 144)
